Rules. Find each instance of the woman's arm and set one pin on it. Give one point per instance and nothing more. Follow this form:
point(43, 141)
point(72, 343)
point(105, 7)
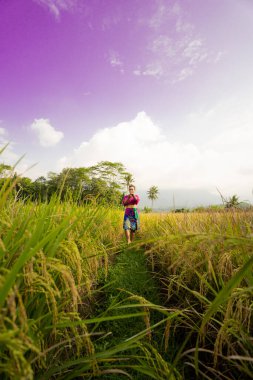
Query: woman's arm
point(125, 200)
point(136, 199)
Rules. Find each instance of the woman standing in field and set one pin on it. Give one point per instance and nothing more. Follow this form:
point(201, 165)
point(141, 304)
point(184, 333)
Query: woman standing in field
point(131, 217)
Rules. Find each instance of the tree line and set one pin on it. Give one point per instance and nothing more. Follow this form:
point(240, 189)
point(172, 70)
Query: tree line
point(103, 183)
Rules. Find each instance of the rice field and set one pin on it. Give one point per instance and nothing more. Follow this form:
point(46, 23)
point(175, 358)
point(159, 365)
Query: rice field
point(203, 262)
point(57, 261)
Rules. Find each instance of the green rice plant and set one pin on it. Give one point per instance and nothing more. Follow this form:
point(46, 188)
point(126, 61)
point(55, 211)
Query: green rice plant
point(151, 364)
point(53, 256)
point(204, 262)
point(47, 269)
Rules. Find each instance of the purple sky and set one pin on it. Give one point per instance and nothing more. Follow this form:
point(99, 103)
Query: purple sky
point(177, 73)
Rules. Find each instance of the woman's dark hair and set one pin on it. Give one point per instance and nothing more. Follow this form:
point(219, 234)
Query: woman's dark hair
point(131, 185)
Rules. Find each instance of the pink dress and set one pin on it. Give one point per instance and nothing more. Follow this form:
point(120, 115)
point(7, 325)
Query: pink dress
point(131, 216)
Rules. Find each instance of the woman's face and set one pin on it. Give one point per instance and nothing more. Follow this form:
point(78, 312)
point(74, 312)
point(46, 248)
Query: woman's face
point(131, 190)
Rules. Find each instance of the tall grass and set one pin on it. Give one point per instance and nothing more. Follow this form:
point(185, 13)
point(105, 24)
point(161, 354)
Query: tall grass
point(204, 264)
point(50, 257)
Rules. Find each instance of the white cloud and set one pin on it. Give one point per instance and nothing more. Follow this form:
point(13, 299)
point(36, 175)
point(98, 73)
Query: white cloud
point(163, 44)
point(160, 16)
point(20, 159)
point(3, 143)
point(115, 61)
point(184, 73)
point(137, 72)
point(57, 6)
point(10, 157)
point(176, 9)
point(110, 21)
point(195, 52)
point(7, 156)
point(219, 56)
point(2, 133)
point(153, 70)
point(154, 159)
point(47, 135)
point(179, 48)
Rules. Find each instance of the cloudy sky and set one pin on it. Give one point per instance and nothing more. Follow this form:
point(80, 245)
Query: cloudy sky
point(163, 86)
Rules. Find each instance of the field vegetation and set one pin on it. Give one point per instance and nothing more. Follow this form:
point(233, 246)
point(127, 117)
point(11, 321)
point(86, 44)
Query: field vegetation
point(77, 303)
point(203, 262)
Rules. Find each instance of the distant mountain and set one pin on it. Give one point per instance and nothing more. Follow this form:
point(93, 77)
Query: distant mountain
point(180, 198)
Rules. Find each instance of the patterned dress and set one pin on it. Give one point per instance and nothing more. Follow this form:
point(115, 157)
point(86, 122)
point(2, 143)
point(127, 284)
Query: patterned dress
point(131, 216)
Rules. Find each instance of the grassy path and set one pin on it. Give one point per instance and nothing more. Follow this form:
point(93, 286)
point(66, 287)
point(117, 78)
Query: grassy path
point(127, 277)
point(130, 272)
point(129, 283)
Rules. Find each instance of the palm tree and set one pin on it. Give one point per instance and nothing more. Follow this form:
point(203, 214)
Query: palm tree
point(231, 202)
point(153, 193)
point(128, 179)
